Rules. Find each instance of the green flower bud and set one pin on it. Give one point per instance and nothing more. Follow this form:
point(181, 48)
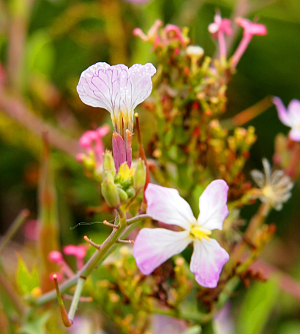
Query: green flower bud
point(108, 162)
point(108, 175)
point(140, 175)
point(123, 195)
point(110, 193)
point(130, 192)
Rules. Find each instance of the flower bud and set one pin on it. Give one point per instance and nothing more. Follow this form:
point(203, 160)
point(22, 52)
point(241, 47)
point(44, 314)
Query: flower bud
point(140, 175)
point(108, 162)
point(108, 175)
point(131, 192)
point(110, 193)
point(123, 195)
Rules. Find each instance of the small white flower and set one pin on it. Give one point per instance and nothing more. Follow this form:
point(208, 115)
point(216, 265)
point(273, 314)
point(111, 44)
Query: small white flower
point(275, 187)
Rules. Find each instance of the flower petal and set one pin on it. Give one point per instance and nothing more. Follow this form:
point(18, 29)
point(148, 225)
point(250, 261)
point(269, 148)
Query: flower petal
point(99, 86)
point(207, 262)
point(212, 203)
point(282, 112)
point(166, 205)
point(294, 110)
point(152, 247)
point(294, 134)
point(258, 177)
point(140, 82)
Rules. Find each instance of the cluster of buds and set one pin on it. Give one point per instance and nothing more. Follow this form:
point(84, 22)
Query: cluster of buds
point(119, 187)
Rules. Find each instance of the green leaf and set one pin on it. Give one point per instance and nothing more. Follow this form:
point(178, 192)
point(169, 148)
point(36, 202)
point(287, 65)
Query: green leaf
point(35, 325)
point(26, 280)
point(257, 307)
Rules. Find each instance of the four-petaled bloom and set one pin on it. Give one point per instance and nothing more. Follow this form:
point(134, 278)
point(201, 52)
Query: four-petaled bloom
point(250, 29)
point(152, 247)
point(275, 187)
point(289, 116)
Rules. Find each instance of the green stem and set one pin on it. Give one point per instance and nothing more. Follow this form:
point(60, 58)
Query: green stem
point(96, 259)
point(14, 227)
point(137, 218)
point(76, 298)
point(196, 318)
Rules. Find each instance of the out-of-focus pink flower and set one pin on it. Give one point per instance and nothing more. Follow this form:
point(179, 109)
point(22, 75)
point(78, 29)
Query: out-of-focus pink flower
point(289, 116)
point(55, 256)
point(152, 33)
point(172, 32)
point(152, 247)
point(218, 29)
point(250, 29)
point(92, 142)
point(78, 251)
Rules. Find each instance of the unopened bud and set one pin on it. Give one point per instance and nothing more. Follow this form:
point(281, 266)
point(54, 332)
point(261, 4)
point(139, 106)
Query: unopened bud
point(123, 195)
point(110, 193)
point(140, 175)
point(131, 192)
point(108, 175)
point(108, 162)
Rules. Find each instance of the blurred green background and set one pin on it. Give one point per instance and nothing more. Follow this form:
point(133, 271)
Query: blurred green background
point(46, 44)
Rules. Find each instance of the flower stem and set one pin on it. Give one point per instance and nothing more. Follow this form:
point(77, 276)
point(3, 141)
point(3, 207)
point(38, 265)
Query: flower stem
point(14, 227)
point(76, 298)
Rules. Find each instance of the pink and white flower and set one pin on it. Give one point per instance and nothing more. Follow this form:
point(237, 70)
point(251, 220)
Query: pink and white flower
point(116, 89)
point(250, 29)
point(152, 247)
point(289, 116)
point(218, 29)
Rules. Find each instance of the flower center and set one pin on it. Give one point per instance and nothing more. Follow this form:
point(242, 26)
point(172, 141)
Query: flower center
point(268, 191)
point(198, 232)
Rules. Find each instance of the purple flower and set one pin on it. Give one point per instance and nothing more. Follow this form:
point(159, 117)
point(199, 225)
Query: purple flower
point(289, 116)
point(152, 247)
point(116, 89)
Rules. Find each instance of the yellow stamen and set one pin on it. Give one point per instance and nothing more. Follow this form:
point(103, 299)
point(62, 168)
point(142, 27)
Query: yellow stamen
point(198, 232)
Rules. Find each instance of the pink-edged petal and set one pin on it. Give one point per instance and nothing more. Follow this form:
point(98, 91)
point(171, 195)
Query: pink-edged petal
point(294, 134)
point(212, 203)
point(152, 247)
point(140, 80)
point(166, 205)
point(282, 112)
point(294, 111)
point(207, 262)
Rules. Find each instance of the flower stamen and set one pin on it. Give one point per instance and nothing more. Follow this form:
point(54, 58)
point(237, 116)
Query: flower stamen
point(199, 233)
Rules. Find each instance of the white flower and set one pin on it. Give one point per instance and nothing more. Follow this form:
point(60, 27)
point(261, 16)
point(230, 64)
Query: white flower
point(289, 116)
point(275, 187)
point(152, 247)
point(116, 89)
